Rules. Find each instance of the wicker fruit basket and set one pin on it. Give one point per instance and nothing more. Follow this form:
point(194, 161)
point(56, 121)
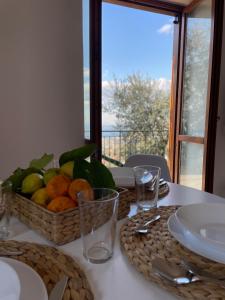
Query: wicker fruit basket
point(62, 227)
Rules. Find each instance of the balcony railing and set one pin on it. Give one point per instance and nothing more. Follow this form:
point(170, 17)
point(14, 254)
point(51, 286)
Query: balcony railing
point(117, 146)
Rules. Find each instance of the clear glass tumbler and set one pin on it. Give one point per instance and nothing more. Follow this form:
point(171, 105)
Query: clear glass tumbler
point(5, 200)
point(147, 186)
point(98, 218)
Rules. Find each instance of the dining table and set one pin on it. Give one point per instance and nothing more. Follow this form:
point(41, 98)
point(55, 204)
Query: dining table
point(117, 278)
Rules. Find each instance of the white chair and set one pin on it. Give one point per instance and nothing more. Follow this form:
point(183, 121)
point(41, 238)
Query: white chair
point(147, 159)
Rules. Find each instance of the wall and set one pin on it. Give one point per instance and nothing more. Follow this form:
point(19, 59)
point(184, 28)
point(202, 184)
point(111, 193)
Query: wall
point(41, 84)
point(219, 171)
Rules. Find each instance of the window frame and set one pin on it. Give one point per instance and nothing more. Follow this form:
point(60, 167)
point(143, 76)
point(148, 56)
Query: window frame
point(96, 57)
point(177, 80)
point(209, 139)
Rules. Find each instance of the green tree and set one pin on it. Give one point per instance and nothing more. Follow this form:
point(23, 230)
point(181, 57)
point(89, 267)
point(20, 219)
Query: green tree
point(141, 107)
point(195, 84)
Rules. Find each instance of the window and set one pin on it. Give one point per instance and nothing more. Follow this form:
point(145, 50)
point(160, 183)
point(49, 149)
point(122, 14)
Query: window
point(194, 89)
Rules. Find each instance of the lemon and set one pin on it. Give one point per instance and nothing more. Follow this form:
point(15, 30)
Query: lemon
point(41, 197)
point(67, 169)
point(32, 183)
point(50, 173)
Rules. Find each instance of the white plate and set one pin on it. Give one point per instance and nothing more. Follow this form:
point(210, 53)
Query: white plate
point(32, 286)
point(206, 221)
point(193, 243)
point(9, 282)
point(123, 176)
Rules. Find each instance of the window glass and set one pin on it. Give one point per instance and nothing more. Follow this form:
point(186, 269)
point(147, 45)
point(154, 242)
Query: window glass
point(86, 68)
point(198, 32)
point(191, 164)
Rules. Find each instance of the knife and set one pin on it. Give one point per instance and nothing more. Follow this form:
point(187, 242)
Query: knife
point(59, 289)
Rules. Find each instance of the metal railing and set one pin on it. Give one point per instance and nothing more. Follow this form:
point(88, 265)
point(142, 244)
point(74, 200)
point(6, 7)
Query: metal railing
point(117, 146)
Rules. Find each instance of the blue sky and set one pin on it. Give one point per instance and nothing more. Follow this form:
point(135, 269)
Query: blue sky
point(135, 41)
point(132, 41)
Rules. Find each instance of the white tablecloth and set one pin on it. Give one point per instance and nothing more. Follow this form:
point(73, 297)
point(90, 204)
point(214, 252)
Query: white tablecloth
point(117, 279)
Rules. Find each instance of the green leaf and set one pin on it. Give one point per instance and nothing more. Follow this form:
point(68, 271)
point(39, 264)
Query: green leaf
point(18, 176)
point(42, 162)
point(102, 177)
point(79, 153)
point(95, 173)
point(82, 169)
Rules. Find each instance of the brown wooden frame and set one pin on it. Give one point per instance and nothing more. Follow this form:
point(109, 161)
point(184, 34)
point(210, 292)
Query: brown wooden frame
point(212, 107)
point(95, 75)
point(177, 80)
point(212, 96)
point(156, 6)
point(95, 62)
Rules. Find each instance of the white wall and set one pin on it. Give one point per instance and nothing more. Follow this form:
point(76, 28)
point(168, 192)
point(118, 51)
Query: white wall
point(219, 171)
point(41, 84)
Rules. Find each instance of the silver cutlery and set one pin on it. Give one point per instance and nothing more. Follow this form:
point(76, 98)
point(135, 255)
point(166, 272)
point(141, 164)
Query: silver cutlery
point(178, 274)
point(59, 289)
point(202, 274)
point(162, 183)
point(143, 228)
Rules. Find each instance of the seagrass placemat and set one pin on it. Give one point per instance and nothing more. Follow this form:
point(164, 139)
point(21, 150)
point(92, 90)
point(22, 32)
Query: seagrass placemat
point(142, 249)
point(51, 264)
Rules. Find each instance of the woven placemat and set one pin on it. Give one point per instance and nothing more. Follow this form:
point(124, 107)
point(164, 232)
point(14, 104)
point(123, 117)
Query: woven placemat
point(142, 249)
point(51, 264)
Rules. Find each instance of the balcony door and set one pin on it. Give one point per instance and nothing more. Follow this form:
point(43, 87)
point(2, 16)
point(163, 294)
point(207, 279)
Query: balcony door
point(197, 106)
point(195, 84)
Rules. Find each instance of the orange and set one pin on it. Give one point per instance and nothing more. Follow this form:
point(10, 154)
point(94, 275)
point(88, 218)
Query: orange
point(61, 203)
point(58, 186)
point(78, 185)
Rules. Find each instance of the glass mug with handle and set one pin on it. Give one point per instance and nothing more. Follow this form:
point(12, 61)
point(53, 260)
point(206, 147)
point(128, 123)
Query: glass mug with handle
point(147, 186)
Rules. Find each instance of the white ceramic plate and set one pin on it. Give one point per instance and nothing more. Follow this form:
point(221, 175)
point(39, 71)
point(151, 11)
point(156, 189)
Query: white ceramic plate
point(9, 282)
point(32, 286)
point(123, 176)
point(193, 243)
point(206, 221)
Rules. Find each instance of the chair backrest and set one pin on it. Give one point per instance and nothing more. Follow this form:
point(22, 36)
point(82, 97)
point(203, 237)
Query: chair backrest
point(147, 159)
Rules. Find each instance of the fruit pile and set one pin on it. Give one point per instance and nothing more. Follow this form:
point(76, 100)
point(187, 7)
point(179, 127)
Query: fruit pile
point(56, 188)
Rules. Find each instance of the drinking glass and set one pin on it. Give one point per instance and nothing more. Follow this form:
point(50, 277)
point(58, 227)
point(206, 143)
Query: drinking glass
point(5, 199)
point(147, 186)
point(98, 217)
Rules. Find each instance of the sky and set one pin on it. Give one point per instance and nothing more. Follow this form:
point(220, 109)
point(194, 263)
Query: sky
point(134, 40)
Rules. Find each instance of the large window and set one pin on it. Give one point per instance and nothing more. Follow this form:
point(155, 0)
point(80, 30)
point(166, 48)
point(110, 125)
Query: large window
point(137, 50)
point(193, 96)
point(195, 104)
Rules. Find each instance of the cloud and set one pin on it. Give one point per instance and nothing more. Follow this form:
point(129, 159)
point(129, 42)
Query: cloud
point(165, 29)
point(164, 84)
point(86, 72)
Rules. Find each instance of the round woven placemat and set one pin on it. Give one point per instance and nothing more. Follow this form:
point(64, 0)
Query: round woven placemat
point(142, 249)
point(51, 264)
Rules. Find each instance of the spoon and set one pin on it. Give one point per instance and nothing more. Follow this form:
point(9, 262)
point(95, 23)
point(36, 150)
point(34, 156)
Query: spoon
point(143, 229)
point(178, 274)
point(202, 274)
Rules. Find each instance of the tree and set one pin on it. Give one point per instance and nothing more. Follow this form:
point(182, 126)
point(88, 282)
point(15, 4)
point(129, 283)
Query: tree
point(141, 108)
point(196, 77)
